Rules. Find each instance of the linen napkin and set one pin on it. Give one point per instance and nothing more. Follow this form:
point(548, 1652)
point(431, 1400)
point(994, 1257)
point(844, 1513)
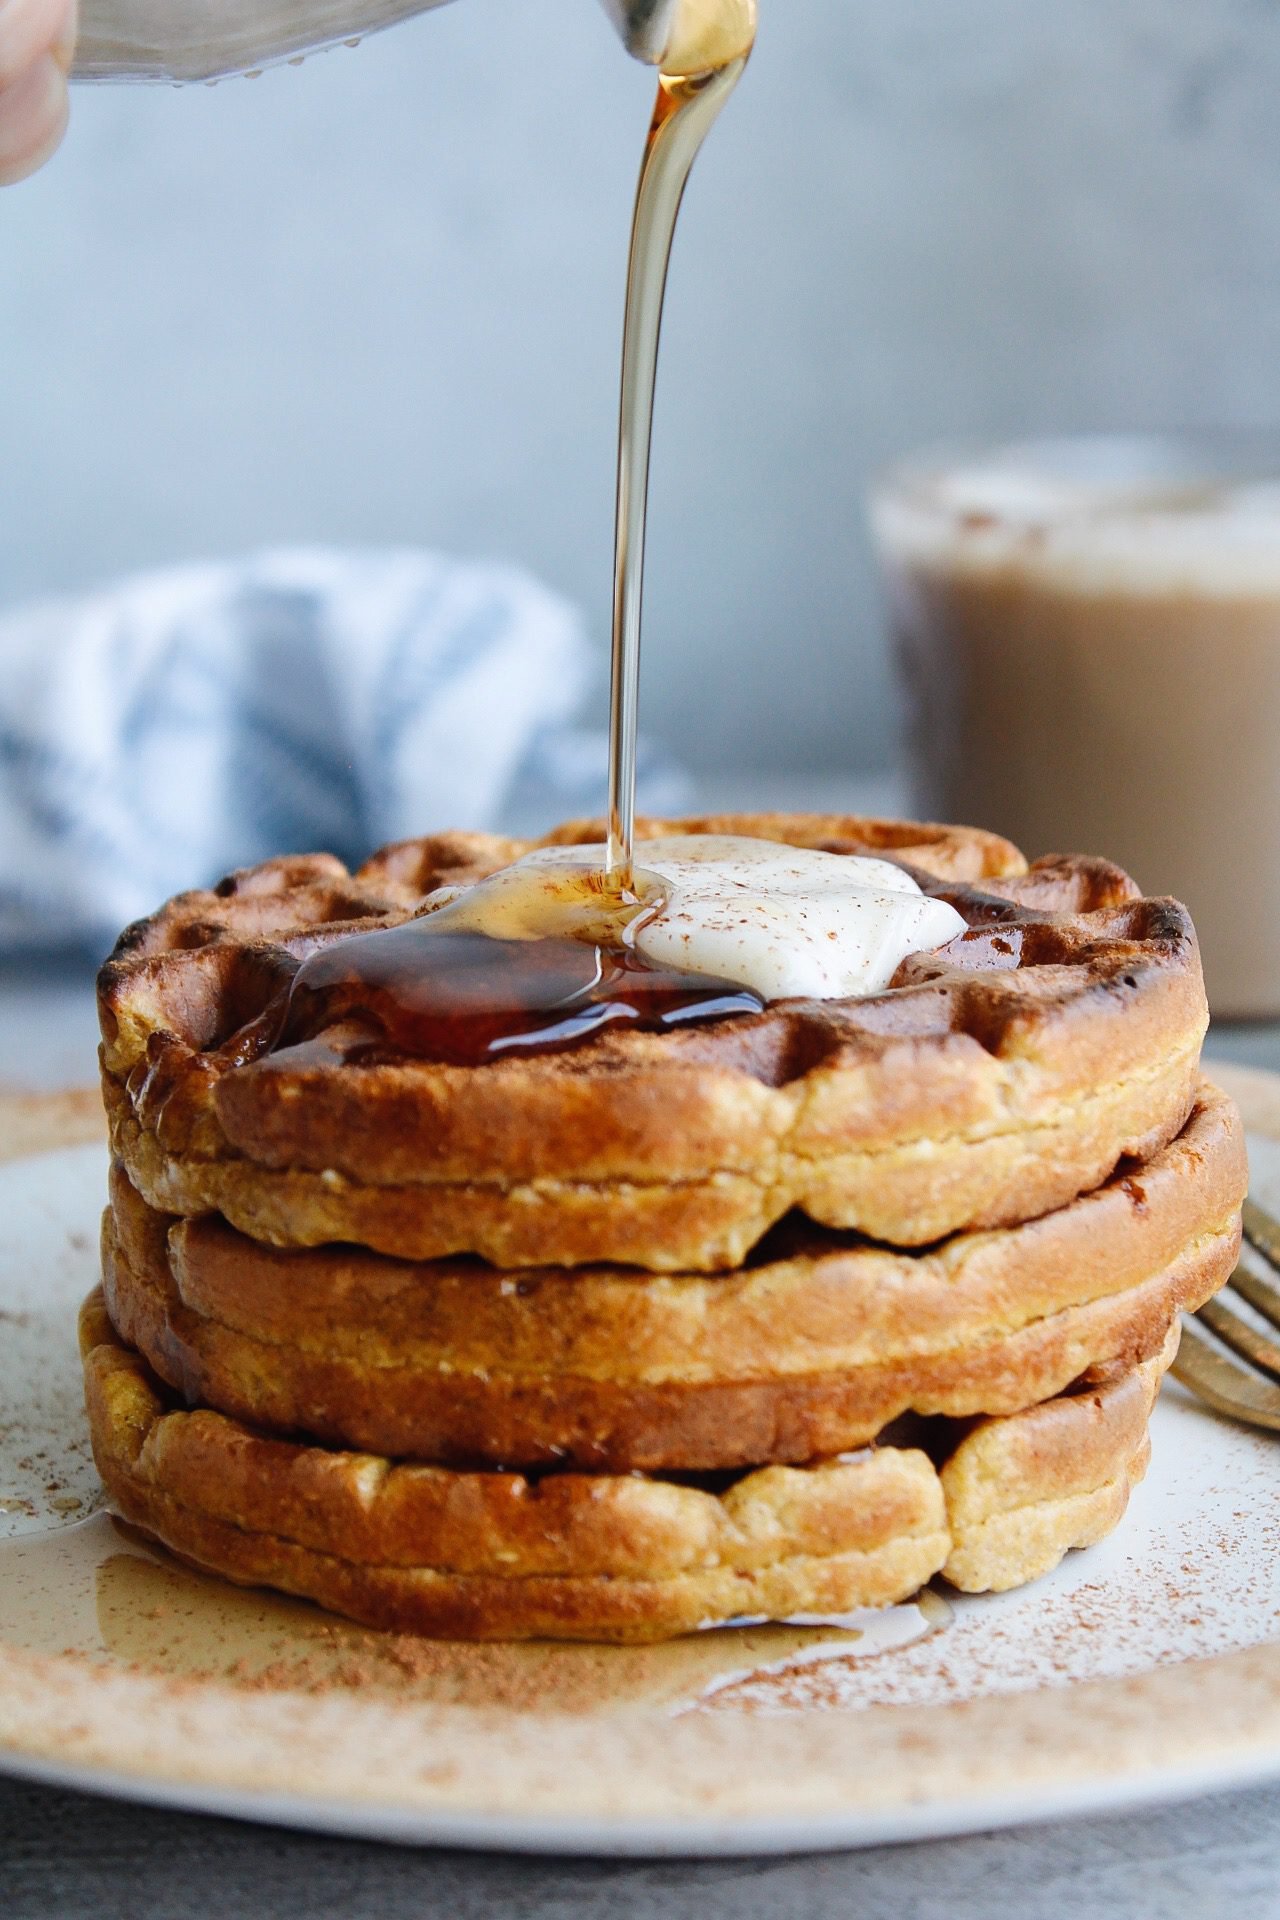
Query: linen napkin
point(173, 726)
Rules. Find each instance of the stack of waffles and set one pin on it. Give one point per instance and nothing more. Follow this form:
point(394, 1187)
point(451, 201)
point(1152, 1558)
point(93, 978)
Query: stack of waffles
point(783, 1314)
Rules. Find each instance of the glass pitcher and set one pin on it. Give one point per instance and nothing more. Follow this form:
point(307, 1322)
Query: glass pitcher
point(184, 40)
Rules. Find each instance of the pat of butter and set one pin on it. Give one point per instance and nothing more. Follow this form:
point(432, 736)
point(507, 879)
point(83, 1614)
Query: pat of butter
point(785, 922)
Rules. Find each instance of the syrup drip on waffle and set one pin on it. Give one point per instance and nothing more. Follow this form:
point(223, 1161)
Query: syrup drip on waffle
point(542, 959)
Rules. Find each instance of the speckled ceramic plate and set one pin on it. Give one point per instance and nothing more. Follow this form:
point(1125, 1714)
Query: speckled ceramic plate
point(1145, 1669)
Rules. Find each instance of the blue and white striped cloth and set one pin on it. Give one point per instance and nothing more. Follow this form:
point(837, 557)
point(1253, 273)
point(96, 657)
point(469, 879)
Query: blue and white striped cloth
point(168, 728)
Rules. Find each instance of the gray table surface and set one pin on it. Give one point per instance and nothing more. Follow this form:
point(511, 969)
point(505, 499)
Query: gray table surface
point(63, 1856)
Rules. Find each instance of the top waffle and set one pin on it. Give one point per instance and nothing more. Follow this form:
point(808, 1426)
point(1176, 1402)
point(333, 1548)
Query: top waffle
point(991, 1081)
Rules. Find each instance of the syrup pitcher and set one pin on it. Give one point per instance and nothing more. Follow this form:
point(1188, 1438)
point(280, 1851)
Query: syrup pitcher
point(184, 40)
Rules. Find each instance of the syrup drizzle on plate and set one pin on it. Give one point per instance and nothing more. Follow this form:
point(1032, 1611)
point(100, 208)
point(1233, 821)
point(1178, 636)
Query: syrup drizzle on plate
point(99, 1590)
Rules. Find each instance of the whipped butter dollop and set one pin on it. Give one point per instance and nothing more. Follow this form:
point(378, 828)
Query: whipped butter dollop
point(785, 922)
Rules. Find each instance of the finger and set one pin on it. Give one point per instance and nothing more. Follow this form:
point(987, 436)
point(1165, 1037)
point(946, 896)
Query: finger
point(28, 29)
point(64, 47)
point(33, 118)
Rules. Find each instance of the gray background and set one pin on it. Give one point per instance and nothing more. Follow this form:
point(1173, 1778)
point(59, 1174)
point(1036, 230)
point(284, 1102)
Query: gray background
point(378, 297)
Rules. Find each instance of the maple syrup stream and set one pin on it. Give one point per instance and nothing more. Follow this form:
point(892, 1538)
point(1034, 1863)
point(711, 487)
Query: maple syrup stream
point(686, 108)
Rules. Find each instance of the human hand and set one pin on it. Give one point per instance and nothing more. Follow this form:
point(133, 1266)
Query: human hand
point(37, 38)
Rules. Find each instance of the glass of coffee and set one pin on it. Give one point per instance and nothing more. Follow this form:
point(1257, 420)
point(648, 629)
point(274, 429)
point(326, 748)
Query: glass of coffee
point(1088, 634)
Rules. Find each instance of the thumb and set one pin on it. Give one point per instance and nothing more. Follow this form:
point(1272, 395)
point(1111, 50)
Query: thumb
point(33, 118)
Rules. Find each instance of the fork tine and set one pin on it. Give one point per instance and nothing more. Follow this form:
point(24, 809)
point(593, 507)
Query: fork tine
point(1240, 1336)
point(1262, 1230)
point(1223, 1382)
point(1262, 1293)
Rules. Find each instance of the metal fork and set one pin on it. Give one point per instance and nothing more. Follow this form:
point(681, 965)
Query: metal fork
point(1246, 1391)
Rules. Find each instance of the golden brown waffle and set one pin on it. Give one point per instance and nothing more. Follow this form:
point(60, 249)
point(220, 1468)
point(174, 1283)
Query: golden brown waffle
point(812, 1350)
point(1023, 1491)
point(490, 1555)
point(992, 1081)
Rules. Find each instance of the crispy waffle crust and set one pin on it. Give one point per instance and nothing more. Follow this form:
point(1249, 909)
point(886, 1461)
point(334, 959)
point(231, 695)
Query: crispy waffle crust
point(992, 1081)
point(490, 1555)
point(813, 1349)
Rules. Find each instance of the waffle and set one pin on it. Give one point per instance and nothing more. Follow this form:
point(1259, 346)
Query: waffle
point(812, 1350)
point(630, 1558)
point(990, 1083)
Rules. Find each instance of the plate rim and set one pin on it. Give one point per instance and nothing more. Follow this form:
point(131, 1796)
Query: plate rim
point(652, 1839)
point(882, 1774)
